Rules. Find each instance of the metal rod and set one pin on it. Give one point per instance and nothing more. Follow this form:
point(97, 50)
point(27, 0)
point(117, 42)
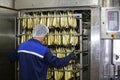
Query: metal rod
point(54, 34)
point(66, 70)
point(81, 55)
point(15, 47)
point(73, 16)
point(112, 62)
point(18, 41)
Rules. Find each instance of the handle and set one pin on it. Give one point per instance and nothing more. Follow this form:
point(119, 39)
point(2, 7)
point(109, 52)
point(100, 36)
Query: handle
point(112, 55)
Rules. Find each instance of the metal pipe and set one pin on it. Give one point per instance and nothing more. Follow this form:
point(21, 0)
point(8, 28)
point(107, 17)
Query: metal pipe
point(19, 14)
point(73, 16)
point(81, 47)
point(107, 3)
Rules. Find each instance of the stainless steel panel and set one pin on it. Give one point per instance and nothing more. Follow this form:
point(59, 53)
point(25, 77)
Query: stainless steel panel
point(22, 4)
point(7, 43)
point(106, 64)
point(7, 3)
point(95, 44)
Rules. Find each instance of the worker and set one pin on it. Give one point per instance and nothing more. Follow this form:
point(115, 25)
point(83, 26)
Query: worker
point(34, 58)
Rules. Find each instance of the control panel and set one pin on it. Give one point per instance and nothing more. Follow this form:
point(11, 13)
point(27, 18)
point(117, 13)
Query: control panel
point(110, 26)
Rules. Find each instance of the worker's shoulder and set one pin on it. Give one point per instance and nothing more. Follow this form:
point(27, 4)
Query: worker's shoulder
point(26, 43)
point(31, 44)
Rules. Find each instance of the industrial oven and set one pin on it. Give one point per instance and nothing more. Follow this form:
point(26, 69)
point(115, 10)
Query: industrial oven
point(70, 30)
point(90, 29)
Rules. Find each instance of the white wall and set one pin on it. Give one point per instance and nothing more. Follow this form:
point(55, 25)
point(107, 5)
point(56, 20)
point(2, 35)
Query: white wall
point(7, 3)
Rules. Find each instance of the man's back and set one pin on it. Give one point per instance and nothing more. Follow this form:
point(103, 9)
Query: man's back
point(32, 66)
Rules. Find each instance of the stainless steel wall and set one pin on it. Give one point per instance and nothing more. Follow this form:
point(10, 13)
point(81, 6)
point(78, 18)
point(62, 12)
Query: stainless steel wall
point(7, 3)
point(20, 4)
point(7, 43)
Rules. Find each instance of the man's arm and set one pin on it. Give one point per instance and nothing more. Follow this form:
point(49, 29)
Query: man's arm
point(13, 55)
point(54, 61)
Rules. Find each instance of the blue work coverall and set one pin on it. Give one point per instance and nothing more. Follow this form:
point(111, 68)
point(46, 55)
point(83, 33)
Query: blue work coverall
point(34, 59)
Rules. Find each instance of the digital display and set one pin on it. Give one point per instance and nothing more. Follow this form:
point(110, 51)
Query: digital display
point(113, 20)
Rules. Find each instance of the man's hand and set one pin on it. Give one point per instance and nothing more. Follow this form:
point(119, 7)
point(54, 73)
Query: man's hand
point(74, 55)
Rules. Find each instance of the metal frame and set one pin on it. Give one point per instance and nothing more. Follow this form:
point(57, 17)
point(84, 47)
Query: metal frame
point(95, 44)
point(18, 42)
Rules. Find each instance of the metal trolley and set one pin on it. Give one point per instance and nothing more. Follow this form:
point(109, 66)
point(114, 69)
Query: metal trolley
point(69, 31)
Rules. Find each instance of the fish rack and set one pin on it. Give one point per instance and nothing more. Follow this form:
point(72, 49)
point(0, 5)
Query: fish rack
point(67, 34)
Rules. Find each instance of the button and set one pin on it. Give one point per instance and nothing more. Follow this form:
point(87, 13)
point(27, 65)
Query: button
point(112, 35)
